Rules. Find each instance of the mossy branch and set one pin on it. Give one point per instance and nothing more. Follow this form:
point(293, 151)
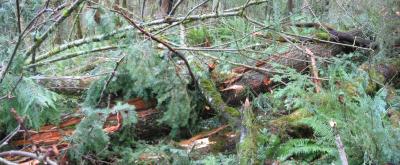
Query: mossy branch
point(159, 24)
point(65, 14)
point(71, 55)
point(214, 99)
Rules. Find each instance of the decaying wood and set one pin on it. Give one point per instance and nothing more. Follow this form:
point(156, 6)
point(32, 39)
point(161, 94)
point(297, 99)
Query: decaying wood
point(345, 37)
point(259, 82)
point(352, 37)
point(55, 134)
point(339, 144)
point(217, 140)
point(314, 71)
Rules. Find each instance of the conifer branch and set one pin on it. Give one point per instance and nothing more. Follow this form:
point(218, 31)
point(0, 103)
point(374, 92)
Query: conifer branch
point(169, 47)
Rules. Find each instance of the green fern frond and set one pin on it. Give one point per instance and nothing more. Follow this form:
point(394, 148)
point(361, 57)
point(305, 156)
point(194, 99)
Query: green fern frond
point(304, 148)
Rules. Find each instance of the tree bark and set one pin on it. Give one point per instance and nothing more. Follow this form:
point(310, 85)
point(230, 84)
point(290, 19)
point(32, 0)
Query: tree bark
point(165, 7)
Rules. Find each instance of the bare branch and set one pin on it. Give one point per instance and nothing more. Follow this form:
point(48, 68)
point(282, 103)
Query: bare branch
point(9, 136)
point(71, 55)
point(6, 162)
point(110, 78)
point(27, 154)
point(339, 144)
point(40, 40)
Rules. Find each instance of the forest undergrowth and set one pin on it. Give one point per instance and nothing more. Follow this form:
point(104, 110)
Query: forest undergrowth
point(212, 82)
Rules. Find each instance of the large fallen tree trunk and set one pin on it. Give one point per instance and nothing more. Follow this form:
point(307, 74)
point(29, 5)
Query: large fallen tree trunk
point(55, 134)
point(351, 37)
point(259, 81)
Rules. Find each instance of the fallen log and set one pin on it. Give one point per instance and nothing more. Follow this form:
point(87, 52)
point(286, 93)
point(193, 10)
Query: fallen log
point(352, 37)
point(54, 134)
point(259, 81)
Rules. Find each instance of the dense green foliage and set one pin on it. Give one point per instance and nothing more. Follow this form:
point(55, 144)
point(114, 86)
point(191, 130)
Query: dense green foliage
point(289, 123)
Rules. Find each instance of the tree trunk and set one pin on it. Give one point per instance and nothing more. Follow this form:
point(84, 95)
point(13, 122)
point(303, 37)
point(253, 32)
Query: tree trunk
point(165, 7)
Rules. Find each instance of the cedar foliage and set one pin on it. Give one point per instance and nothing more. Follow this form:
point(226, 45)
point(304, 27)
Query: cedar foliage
point(363, 107)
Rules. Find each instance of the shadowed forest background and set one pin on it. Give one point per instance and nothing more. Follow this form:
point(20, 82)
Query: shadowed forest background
point(199, 82)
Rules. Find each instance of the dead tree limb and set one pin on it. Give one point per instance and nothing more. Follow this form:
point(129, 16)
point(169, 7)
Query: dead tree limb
point(110, 78)
point(28, 154)
point(339, 144)
point(71, 55)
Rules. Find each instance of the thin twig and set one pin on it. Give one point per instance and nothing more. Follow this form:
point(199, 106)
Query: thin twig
point(9, 136)
point(142, 9)
point(239, 64)
point(314, 70)
point(12, 90)
point(260, 69)
point(110, 78)
point(182, 35)
point(182, 20)
point(76, 20)
point(315, 16)
point(306, 37)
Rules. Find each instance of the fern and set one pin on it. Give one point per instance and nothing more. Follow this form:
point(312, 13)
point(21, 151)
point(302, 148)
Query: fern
point(306, 148)
point(367, 135)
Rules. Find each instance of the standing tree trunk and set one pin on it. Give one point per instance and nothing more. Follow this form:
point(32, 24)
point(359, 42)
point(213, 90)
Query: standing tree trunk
point(60, 29)
point(165, 7)
point(290, 6)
